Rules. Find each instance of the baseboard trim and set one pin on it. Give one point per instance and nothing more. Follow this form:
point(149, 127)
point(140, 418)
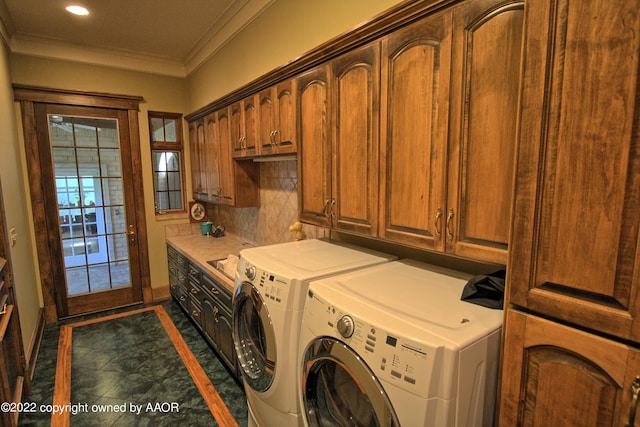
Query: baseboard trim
point(161, 294)
point(31, 354)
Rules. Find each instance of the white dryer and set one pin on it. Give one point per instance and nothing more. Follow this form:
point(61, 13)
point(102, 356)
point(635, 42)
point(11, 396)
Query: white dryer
point(393, 345)
point(271, 287)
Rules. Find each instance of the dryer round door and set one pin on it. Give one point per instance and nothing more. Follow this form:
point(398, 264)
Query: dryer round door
point(339, 388)
point(254, 337)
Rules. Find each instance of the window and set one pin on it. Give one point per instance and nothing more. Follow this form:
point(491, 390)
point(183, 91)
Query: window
point(167, 161)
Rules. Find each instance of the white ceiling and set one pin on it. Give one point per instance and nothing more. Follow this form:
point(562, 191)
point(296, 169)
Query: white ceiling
point(171, 37)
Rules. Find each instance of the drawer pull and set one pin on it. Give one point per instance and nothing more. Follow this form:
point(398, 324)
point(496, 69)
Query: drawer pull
point(215, 291)
point(194, 291)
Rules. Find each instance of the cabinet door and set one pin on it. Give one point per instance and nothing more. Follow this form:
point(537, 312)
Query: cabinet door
point(225, 160)
point(250, 126)
point(197, 150)
point(207, 316)
point(355, 106)
point(277, 119)
point(574, 244)
point(237, 129)
point(487, 50)
point(314, 152)
point(284, 137)
point(211, 163)
point(554, 375)
point(266, 120)
point(243, 121)
point(224, 337)
point(413, 131)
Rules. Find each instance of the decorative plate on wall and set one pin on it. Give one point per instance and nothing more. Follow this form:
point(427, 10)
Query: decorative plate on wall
point(197, 211)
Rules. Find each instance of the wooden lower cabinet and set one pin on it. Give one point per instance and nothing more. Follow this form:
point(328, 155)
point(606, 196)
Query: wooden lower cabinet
point(555, 375)
point(207, 304)
point(216, 321)
point(178, 281)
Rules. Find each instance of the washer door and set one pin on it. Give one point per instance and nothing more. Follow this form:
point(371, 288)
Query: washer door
point(340, 389)
point(254, 337)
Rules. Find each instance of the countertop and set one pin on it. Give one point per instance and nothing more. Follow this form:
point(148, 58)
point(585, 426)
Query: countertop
point(199, 249)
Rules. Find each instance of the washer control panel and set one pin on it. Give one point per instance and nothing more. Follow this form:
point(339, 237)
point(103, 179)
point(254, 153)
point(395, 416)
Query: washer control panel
point(272, 287)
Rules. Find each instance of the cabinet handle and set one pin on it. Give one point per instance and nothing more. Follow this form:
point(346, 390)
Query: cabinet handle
point(273, 134)
point(325, 209)
point(635, 392)
point(194, 313)
point(449, 218)
point(215, 291)
point(194, 291)
point(215, 314)
point(437, 223)
point(4, 309)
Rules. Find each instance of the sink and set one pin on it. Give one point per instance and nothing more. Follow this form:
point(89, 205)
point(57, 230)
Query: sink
point(225, 265)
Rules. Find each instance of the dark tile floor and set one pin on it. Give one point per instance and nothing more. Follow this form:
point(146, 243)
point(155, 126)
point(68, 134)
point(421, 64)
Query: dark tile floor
point(132, 360)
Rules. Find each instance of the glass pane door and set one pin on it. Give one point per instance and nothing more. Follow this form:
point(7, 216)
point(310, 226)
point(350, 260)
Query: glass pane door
point(91, 210)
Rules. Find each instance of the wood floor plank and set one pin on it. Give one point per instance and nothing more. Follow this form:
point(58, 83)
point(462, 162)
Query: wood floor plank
point(207, 390)
point(62, 391)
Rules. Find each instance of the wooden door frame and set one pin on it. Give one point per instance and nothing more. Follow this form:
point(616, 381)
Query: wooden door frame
point(28, 97)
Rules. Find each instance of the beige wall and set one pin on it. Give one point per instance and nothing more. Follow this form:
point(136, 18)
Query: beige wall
point(285, 31)
point(17, 207)
point(159, 93)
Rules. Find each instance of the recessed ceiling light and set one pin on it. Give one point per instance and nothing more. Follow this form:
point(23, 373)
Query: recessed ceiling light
point(77, 10)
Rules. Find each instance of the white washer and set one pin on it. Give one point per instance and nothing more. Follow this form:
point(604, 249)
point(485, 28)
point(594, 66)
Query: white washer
point(271, 287)
point(393, 345)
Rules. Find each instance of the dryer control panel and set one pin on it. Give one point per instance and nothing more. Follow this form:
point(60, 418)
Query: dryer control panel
point(396, 359)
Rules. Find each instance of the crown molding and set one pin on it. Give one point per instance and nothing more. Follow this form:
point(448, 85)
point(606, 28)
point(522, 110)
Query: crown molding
point(6, 24)
point(231, 23)
point(55, 49)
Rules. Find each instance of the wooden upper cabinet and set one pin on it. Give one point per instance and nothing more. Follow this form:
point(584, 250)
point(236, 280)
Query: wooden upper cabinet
point(314, 153)
point(197, 149)
point(574, 251)
point(210, 158)
point(226, 189)
point(449, 104)
point(416, 65)
point(559, 376)
point(355, 113)
point(244, 131)
point(236, 129)
point(230, 182)
point(487, 52)
point(276, 107)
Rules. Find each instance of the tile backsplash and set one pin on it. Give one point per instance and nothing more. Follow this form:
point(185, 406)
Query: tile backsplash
point(278, 209)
